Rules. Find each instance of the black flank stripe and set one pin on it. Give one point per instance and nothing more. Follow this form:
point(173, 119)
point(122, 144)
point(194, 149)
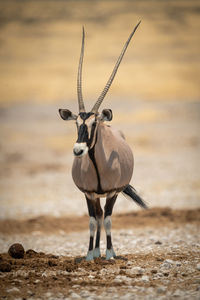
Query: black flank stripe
point(91, 153)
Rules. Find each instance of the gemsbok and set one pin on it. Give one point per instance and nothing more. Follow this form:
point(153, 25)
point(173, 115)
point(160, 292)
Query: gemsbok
point(103, 161)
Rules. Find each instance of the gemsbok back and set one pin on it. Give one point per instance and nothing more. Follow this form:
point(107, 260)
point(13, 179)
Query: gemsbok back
point(103, 161)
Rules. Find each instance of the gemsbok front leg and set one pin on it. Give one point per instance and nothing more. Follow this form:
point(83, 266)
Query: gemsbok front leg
point(99, 214)
point(92, 227)
point(107, 225)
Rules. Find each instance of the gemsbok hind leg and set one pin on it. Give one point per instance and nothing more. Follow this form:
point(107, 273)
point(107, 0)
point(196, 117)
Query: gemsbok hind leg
point(107, 225)
point(92, 227)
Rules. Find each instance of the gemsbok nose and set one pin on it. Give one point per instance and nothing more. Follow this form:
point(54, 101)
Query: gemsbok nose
point(80, 149)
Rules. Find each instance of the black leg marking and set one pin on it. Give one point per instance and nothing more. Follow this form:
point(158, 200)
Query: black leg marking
point(99, 214)
point(91, 209)
point(109, 206)
point(109, 242)
point(91, 243)
point(98, 238)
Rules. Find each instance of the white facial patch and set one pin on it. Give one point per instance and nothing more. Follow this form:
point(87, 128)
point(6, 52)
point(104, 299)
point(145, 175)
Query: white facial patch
point(89, 123)
point(80, 149)
point(79, 121)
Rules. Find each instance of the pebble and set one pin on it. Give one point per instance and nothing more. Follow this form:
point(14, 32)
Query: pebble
point(198, 267)
point(84, 294)
point(135, 270)
point(16, 251)
point(158, 243)
point(13, 289)
point(48, 294)
point(161, 289)
point(166, 266)
point(145, 278)
point(37, 281)
point(75, 296)
point(177, 293)
point(158, 275)
point(169, 261)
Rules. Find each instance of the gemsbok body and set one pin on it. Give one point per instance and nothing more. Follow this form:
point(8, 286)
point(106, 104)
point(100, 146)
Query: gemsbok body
point(103, 161)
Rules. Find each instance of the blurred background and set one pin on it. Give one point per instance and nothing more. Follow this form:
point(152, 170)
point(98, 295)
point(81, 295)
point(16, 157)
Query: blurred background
point(154, 97)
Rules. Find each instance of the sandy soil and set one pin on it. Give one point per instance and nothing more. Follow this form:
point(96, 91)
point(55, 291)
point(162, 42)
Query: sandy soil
point(158, 259)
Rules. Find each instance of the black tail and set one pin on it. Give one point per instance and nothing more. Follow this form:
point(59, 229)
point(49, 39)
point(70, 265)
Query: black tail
point(131, 192)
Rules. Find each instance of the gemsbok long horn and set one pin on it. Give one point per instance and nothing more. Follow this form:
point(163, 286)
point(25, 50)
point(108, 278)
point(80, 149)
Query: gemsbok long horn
point(79, 77)
point(112, 76)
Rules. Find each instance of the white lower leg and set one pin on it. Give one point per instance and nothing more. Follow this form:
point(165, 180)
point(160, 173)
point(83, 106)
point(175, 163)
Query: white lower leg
point(109, 249)
point(92, 227)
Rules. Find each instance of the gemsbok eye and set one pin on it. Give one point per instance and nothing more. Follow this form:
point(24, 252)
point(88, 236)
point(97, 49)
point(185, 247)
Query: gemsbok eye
point(103, 161)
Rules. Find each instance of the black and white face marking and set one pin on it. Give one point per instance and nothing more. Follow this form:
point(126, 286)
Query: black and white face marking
point(87, 124)
point(86, 127)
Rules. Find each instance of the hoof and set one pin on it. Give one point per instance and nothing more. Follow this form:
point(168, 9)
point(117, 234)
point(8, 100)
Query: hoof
point(110, 253)
point(96, 253)
point(90, 255)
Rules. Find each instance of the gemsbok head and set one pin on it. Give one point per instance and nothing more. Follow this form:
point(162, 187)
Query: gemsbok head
point(103, 161)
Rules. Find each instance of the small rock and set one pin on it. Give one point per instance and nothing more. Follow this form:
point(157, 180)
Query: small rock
point(120, 278)
point(52, 263)
point(169, 261)
point(5, 267)
point(117, 280)
point(158, 275)
point(198, 267)
point(16, 251)
point(145, 278)
point(75, 296)
point(136, 270)
point(48, 294)
point(178, 293)
point(158, 243)
point(84, 294)
point(37, 281)
point(31, 253)
point(161, 289)
point(13, 289)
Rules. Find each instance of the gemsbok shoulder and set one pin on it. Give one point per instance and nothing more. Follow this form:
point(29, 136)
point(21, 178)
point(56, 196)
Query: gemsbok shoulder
point(103, 161)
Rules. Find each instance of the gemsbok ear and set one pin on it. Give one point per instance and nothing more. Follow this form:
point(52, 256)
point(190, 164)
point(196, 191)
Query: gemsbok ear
point(106, 115)
point(67, 115)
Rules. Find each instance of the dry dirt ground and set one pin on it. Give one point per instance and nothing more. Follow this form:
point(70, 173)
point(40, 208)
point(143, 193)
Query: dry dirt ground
point(158, 257)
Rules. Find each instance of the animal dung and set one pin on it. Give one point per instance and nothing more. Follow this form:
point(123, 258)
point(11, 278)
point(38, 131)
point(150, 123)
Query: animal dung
point(16, 251)
point(5, 267)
